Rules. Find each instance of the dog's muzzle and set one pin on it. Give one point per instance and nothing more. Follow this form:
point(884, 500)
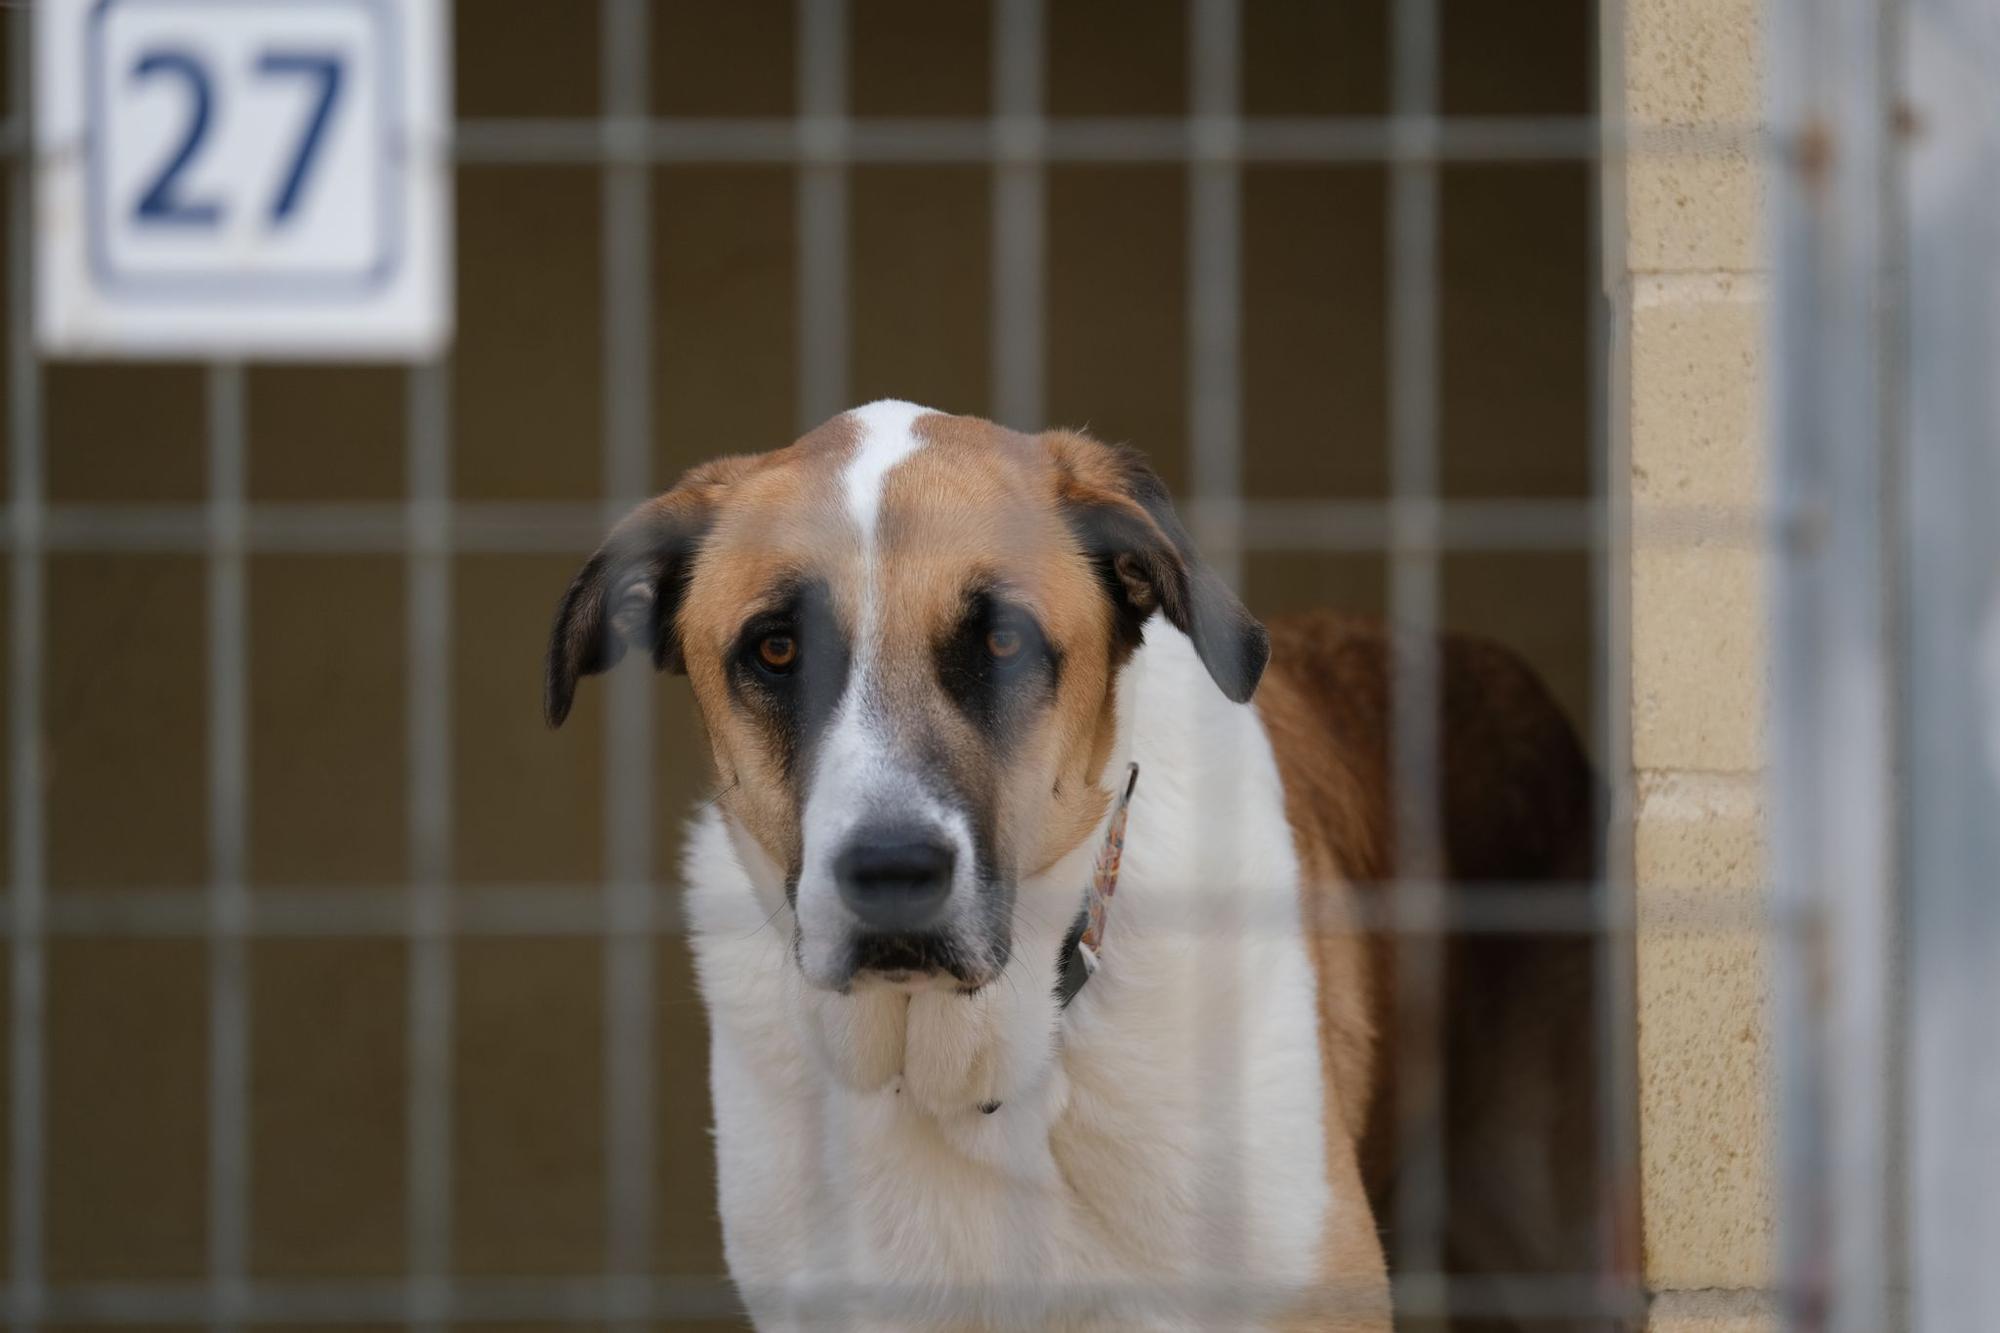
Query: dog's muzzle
point(896, 884)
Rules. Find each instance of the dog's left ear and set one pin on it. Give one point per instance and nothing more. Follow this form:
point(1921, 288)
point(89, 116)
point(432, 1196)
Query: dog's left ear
point(629, 593)
point(1124, 519)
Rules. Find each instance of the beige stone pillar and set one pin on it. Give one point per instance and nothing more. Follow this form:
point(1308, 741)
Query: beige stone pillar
point(1690, 301)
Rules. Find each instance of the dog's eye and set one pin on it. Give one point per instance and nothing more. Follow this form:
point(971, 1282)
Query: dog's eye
point(777, 653)
point(996, 663)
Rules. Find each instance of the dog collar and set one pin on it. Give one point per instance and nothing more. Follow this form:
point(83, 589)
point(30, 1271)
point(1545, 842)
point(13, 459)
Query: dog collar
point(1085, 940)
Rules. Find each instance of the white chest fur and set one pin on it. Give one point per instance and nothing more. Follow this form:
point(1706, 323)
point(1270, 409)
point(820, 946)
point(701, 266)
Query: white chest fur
point(1159, 1141)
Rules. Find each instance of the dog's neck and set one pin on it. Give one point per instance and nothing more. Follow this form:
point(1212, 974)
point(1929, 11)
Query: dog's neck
point(1084, 944)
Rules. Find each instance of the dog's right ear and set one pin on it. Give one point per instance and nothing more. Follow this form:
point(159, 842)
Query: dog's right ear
point(1121, 514)
point(629, 593)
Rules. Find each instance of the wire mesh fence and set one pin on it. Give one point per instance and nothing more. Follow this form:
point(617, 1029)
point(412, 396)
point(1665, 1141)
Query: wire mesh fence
point(1412, 524)
point(1421, 517)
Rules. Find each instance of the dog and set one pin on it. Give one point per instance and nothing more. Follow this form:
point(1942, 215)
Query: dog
point(1025, 916)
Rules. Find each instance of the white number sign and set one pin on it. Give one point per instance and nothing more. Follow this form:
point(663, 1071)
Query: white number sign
point(242, 178)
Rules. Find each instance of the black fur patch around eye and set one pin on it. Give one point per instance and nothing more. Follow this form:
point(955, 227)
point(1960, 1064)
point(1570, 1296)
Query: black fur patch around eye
point(792, 707)
point(996, 693)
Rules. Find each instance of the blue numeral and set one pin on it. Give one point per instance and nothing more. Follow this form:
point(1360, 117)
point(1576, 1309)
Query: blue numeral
point(327, 70)
point(160, 203)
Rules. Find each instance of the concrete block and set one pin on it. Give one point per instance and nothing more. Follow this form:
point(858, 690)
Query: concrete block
point(1694, 62)
point(1699, 840)
point(1698, 390)
point(1695, 210)
point(1699, 658)
point(1705, 1110)
point(1714, 1312)
point(1693, 201)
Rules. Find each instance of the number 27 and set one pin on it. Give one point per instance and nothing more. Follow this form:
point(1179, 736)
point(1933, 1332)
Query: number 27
point(162, 203)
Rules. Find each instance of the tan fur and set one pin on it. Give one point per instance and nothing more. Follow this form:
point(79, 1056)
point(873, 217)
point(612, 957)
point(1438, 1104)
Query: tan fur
point(978, 503)
point(773, 514)
point(1521, 1195)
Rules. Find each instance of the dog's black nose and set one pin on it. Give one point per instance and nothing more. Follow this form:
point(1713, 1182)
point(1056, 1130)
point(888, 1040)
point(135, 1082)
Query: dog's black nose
point(895, 881)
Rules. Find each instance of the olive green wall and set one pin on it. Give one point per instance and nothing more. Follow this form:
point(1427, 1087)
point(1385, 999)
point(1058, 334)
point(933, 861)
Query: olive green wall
point(124, 707)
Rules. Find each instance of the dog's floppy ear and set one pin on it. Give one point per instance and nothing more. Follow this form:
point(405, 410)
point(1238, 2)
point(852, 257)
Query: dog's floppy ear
point(629, 593)
point(1123, 517)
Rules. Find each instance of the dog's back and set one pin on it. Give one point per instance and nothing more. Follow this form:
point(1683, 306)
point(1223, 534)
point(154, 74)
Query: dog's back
point(1519, 811)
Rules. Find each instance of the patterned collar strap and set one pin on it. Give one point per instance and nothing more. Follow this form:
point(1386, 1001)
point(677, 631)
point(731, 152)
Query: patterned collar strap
point(1084, 945)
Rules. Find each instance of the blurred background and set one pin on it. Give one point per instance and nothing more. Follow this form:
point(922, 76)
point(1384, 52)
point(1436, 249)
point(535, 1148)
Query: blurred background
point(125, 712)
point(339, 991)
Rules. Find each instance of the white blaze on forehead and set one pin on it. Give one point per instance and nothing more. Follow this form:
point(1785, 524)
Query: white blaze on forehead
point(887, 435)
point(858, 776)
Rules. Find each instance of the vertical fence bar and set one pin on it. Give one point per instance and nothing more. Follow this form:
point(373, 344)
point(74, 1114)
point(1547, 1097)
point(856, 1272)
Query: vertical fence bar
point(228, 892)
point(1418, 1245)
point(1831, 834)
point(629, 730)
point(1019, 241)
point(821, 223)
point(1215, 439)
point(430, 969)
point(1020, 202)
point(1215, 283)
point(1615, 961)
point(28, 887)
point(821, 219)
point(427, 640)
point(1951, 746)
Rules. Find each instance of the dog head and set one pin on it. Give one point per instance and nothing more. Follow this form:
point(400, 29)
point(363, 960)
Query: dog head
point(903, 632)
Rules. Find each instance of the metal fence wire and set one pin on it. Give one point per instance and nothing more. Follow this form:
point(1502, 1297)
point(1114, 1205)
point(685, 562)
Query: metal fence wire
point(1414, 526)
